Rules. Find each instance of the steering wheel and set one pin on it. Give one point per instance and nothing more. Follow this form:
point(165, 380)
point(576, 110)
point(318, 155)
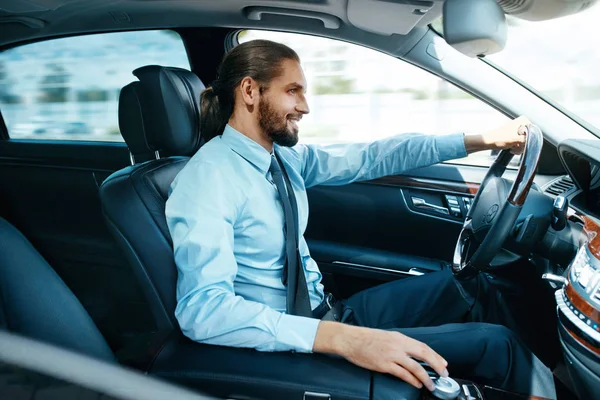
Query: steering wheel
point(496, 208)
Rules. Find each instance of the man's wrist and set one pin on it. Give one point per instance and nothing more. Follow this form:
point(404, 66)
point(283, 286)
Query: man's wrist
point(477, 142)
point(330, 338)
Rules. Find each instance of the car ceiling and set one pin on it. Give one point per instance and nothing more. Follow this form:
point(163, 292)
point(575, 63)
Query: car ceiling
point(389, 26)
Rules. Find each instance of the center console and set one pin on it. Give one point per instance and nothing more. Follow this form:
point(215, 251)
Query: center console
point(451, 389)
point(455, 389)
point(578, 304)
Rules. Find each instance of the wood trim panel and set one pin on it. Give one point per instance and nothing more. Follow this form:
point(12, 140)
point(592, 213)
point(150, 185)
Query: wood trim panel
point(528, 165)
point(432, 184)
point(581, 304)
point(583, 342)
point(592, 230)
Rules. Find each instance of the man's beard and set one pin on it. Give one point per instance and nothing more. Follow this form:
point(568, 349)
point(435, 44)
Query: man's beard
point(275, 126)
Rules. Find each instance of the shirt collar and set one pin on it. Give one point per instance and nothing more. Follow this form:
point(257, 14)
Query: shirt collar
point(247, 148)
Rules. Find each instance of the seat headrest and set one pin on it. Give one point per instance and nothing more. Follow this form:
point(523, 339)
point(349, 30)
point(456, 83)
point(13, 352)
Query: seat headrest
point(161, 112)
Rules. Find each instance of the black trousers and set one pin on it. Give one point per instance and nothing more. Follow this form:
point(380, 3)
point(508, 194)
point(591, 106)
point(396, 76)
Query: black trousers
point(444, 314)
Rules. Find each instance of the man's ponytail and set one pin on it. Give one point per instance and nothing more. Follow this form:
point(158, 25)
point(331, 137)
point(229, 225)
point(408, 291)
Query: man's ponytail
point(213, 121)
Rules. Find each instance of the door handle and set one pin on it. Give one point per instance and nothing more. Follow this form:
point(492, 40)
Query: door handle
point(423, 205)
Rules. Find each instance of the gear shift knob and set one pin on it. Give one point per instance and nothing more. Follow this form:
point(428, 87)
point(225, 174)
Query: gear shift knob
point(446, 388)
point(559, 213)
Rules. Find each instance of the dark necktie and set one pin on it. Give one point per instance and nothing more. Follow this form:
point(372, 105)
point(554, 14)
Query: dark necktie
point(298, 302)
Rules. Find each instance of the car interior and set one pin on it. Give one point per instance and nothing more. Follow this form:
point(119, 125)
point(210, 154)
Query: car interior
point(86, 258)
point(28, 369)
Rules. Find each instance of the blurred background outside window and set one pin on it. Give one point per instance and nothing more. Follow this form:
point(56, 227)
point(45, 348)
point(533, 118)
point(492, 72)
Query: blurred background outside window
point(69, 88)
point(558, 58)
point(356, 94)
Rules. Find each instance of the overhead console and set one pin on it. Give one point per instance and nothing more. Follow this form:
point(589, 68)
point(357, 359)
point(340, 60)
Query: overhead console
point(388, 17)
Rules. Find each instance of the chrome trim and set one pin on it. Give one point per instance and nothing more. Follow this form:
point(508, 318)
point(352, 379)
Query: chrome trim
point(315, 395)
point(412, 271)
point(423, 205)
point(157, 155)
point(439, 217)
point(415, 272)
point(564, 308)
point(466, 392)
point(446, 388)
point(131, 158)
point(458, 264)
point(425, 189)
point(327, 298)
point(556, 279)
point(559, 202)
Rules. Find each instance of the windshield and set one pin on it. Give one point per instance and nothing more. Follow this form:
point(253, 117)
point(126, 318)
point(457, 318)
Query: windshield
point(559, 58)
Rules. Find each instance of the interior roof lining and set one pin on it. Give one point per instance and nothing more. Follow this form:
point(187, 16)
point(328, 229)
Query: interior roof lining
point(139, 15)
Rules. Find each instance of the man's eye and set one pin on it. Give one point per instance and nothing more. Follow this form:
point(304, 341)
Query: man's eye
point(292, 91)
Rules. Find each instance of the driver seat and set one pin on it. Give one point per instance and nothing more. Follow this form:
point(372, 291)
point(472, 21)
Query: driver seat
point(159, 114)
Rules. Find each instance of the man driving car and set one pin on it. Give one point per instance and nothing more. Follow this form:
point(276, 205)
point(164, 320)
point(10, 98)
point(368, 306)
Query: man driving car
point(237, 214)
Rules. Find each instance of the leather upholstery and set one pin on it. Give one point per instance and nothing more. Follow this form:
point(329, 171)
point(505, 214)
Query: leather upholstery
point(131, 123)
point(259, 375)
point(36, 303)
point(161, 112)
point(133, 202)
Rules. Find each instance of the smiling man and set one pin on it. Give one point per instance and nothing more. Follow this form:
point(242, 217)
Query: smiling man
point(237, 214)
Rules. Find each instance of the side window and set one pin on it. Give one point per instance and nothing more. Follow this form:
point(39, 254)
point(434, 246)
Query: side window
point(356, 94)
point(68, 89)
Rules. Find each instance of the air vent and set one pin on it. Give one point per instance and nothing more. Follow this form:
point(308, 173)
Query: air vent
point(560, 186)
point(512, 6)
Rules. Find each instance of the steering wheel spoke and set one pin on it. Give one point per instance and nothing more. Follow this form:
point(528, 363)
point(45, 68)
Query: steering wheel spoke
point(462, 245)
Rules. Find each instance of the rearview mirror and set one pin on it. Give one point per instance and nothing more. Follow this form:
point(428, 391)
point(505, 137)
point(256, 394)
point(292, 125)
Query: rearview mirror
point(474, 27)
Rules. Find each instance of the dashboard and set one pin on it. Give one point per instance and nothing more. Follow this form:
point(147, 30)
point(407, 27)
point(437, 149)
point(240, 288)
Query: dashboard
point(581, 159)
point(578, 301)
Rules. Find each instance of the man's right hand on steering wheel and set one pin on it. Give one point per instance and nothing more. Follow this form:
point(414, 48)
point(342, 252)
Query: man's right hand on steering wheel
point(510, 136)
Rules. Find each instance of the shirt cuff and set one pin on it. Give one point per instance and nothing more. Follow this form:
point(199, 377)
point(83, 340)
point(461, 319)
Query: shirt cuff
point(297, 333)
point(451, 146)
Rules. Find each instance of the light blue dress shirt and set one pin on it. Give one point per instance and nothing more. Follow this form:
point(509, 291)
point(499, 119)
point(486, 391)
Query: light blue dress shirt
point(227, 225)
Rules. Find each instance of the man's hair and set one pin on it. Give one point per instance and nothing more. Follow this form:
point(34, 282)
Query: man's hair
point(258, 59)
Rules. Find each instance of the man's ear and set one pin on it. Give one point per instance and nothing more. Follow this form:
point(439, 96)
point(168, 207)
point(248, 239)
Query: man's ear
point(250, 91)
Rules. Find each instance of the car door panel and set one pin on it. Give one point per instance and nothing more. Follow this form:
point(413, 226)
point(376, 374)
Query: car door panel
point(367, 233)
point(50, 192)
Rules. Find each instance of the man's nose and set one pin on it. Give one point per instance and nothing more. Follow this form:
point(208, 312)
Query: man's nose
point(302, 106)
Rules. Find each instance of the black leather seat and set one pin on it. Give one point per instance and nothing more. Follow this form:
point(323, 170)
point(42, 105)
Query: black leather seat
point(36, 303)
point(161, 113)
